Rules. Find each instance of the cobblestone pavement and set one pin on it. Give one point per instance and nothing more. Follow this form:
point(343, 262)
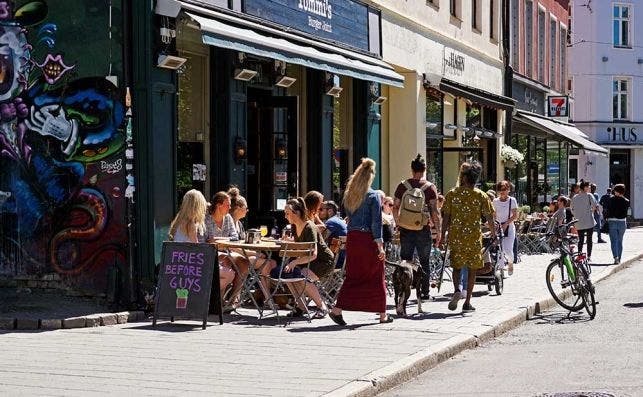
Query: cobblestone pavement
point(247, 356)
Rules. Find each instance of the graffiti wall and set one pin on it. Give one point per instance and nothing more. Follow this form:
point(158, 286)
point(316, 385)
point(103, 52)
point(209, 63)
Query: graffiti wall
point(62, 166)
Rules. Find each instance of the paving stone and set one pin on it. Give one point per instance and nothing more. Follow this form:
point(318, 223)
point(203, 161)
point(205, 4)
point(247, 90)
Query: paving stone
point(121, 317)
point(108, 319)
point(74, 322)
point(51, 324)
point(92, 320)
point(27, 323)
point(7, 323)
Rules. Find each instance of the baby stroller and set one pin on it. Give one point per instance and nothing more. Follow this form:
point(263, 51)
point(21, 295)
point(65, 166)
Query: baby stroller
point(492, 252)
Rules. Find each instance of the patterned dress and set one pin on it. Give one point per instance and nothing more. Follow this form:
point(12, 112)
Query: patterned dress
point(465, 207)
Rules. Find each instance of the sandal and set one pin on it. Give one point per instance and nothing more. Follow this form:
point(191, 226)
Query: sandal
point(296, 312)
point(337, 318)
point(387, 319)
point(319, 314)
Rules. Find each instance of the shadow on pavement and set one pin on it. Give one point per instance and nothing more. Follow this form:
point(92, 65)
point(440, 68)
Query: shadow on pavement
point(432, 316)
point(171, 327)
point(560, 318)
point(634, 305)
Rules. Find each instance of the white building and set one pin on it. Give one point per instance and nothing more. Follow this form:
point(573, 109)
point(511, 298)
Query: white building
point(606, 71)
point(451, 108)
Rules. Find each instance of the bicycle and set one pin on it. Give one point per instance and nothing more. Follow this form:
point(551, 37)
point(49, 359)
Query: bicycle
point(568, 276)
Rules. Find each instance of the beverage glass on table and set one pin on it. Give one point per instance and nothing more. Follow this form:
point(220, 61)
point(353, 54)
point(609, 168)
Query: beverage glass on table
point(264, 230)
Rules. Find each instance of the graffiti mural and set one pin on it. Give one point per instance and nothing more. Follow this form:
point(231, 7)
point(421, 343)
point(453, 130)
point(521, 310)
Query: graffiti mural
point(61, 156)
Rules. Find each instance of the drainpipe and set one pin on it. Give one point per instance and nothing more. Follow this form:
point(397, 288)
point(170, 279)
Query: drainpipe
point(508, 74)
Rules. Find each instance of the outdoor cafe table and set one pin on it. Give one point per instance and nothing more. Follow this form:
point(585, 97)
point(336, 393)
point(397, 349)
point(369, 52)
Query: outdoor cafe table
point(251, 253)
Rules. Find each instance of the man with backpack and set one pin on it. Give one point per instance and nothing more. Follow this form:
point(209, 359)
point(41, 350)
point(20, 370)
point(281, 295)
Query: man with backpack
point(415, 201)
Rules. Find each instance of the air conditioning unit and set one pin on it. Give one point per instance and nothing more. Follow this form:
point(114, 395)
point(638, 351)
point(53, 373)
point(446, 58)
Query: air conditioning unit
point(244, 74)
point(285, 81)
point(170, 62)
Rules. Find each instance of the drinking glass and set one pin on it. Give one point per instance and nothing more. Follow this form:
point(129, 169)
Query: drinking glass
point(264, 230)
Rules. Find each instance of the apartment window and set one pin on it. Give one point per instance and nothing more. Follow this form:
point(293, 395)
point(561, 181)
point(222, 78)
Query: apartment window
point(476, 20)
point(563, 54)
point(620, 89)
point(515, 35)
point(541, 46)
point(552, 53)
point(433, 3)
point(453, 8)
point(621, 26)
point(529, 37)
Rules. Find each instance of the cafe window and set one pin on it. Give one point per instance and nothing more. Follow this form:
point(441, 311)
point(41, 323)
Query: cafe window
point(434, 121)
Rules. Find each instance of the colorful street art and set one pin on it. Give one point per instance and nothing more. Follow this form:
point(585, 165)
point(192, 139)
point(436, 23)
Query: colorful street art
point(61, 158)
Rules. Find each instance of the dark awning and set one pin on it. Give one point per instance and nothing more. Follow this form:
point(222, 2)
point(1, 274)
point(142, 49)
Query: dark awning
point(231, 32)
point(562, 131)
point(477, 95)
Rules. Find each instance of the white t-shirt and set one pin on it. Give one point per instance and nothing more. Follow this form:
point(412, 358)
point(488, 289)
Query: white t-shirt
point(502, 208)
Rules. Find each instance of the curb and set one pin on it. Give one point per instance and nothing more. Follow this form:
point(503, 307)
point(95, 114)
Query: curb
point(403, 370)
point(90, 320)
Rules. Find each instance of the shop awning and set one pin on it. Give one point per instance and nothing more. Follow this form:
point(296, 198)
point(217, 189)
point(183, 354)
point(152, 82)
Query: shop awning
point(565, 131)
point(477, 95)
point(238, 34)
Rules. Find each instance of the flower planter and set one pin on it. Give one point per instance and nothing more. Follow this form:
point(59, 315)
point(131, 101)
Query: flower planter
point(510, 164)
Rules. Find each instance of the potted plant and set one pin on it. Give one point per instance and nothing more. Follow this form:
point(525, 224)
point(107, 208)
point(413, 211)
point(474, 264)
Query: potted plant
point(510, 156)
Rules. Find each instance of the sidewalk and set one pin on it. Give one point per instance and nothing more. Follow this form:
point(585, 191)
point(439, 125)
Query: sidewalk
point(252, 357)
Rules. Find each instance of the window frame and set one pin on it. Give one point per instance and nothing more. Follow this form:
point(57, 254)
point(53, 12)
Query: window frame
point(529, 38)
point(620, 19)
point(618, 93)
point(553, 51)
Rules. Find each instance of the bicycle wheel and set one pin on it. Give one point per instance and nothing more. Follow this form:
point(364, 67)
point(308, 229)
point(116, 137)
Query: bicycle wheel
point(561, 289)
point(587, 292)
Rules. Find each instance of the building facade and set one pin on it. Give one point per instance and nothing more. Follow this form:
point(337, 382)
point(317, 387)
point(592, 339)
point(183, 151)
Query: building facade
point(537, 68)
point(451, 107)
point(606, 61)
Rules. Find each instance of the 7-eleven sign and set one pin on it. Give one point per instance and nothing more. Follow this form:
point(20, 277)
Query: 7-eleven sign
point(557, 106)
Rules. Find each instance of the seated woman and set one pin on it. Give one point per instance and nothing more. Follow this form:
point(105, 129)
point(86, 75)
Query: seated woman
point(189, 225)
point(321, 261)
point(238, 211)
point(314, 201)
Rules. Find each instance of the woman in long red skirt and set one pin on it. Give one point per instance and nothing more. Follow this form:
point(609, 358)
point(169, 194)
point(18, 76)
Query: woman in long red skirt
point(364, 288)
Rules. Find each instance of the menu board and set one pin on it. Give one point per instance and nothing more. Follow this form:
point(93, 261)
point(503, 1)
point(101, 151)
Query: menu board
point(185, 282)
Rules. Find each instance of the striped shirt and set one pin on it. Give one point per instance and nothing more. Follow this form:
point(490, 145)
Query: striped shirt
point(227, 229)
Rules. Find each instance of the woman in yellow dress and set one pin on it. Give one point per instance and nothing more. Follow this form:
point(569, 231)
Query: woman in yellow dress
point(463, 208)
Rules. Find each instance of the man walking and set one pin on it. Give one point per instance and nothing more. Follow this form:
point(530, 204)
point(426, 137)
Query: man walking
point(415, 200)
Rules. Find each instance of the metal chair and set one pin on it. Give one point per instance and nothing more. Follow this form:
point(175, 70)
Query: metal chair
point(296, 285)
point(330, 286)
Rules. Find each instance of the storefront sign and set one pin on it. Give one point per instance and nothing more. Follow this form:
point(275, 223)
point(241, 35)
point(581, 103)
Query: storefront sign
point(557, 106)
point(619, 135)
point(343, 21)
point(453, 63)
point(528, 99)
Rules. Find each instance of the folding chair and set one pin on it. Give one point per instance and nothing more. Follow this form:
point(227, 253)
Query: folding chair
point(289, 250)
point(330, 286)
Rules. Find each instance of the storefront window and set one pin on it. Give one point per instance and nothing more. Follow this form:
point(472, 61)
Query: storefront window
point(434, 145)
point(519, 174)
point(473, 120)
point(340, 154)
point(554, 160)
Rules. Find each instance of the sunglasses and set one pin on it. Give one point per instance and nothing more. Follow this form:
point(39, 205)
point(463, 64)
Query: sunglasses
point(388, 204)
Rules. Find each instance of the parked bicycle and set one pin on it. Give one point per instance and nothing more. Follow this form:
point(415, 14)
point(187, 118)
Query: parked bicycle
point(568, 276)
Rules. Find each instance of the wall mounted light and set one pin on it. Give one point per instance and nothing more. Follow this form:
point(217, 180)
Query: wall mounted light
point(244, 74)
point(170, 61)
point(240, 150)
point(332, 85)
point(284, 81)
point(281, 149)
point(431, 125)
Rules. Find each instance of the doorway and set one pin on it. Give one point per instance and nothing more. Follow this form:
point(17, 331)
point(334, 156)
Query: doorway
point(620, 167)
point(273, 156)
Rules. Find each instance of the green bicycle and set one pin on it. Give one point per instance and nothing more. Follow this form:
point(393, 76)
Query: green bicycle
point(568, 276)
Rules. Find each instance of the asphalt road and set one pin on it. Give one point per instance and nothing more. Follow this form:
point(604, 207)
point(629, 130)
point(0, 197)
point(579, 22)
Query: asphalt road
point(551, 354)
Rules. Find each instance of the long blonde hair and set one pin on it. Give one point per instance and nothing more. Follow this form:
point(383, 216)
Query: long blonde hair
point(192, 211)
point(358, 184)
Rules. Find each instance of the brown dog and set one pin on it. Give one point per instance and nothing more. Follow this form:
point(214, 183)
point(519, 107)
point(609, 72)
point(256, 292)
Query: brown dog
point(405, 275)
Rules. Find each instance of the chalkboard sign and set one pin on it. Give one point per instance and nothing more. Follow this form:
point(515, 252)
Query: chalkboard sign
point(185, 280)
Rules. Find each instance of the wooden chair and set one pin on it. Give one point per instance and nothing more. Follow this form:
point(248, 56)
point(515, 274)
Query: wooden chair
point(290, 250)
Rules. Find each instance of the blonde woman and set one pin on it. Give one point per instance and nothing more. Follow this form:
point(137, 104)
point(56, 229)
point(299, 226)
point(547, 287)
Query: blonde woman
point(189, 224)
point(364, 288)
